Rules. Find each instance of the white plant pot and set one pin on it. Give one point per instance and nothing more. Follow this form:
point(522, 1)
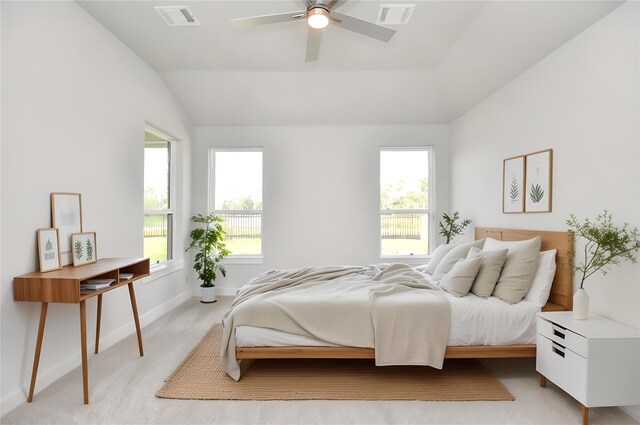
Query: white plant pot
point(581, 305)
point(208, 294)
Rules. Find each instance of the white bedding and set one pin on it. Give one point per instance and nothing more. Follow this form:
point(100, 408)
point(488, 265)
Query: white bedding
point(474, 321)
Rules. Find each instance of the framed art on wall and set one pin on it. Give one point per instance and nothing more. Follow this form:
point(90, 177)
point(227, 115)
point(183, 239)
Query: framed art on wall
point(49, 250)
point(84, 248)
point(539, 173)
point(66, 216)
point(513, 184)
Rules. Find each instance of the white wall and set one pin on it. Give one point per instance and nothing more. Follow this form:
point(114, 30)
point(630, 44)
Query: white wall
point(582, 101)
point(320, 189)
point(74, 105)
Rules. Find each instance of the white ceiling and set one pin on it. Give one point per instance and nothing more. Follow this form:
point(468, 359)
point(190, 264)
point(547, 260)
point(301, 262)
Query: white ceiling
point(450, 57)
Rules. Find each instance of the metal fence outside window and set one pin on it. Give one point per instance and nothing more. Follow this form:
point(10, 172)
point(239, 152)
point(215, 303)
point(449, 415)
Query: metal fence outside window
point(401, 226)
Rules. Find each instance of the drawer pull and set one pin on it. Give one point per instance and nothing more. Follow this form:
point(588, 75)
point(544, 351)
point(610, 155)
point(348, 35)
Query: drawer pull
point(559, 332)
point(558, 349)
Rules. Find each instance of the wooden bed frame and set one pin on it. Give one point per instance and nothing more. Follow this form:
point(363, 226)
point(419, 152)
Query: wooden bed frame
point(561, 298)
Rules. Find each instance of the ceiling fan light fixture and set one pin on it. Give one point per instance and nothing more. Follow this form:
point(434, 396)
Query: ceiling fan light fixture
point(318, 18)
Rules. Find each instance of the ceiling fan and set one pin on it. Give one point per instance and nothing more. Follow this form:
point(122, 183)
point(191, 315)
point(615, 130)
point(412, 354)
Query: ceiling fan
point(318, 14)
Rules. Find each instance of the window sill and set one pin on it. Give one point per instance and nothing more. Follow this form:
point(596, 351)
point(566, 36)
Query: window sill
point(244, 259)
point(163, 269)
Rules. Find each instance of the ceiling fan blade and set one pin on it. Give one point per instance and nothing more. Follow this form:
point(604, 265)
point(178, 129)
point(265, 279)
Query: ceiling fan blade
point(363, 27)
point(267, 19)
point(314, 39)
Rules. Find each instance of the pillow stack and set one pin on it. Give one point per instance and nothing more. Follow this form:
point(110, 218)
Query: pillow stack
point(510, 271)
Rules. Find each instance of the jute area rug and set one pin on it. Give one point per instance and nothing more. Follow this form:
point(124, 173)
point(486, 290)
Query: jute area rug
point(201, 377)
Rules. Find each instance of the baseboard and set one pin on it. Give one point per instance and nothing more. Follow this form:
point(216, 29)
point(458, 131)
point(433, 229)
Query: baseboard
point(46, 378)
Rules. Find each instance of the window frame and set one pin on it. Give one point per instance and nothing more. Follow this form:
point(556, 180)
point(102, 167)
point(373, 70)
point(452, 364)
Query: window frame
point(171, 211)
point(211, 202)
point(429, 211)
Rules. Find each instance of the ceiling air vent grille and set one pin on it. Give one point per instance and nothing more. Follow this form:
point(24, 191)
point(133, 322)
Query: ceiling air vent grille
point(176, 16)
point(395, 14)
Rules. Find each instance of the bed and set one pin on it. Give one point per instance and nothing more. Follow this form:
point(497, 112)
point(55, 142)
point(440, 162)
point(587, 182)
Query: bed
point(560, 299)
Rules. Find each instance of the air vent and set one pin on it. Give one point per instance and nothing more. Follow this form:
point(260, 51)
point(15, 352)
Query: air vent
point(177, 16)
point(395, 14)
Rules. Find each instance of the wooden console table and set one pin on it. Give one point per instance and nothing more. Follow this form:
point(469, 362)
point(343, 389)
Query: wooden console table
point(63, 286)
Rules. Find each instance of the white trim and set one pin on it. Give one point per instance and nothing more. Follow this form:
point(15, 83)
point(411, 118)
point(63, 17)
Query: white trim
point(429, 211)
point(154, 129)
point(234, 258)
point(243, 259)
point(47, 377)
point(162, 269)
point(172, 187)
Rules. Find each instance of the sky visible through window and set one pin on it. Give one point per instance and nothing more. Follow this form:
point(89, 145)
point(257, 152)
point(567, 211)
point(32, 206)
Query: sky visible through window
point(156, 176)
point(404, 177)
point(238, 180)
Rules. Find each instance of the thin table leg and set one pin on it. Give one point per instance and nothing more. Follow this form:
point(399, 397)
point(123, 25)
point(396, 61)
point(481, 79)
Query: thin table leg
point(134, 307)
point(585, 415)
point(98, 317)
point(543, 381)
point(83, 349)
point(36, 357)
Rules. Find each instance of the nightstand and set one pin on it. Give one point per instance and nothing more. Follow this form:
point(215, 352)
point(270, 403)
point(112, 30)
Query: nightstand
point(596, 361)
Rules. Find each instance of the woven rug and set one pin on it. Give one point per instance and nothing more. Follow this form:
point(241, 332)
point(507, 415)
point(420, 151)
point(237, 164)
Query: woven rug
point(201, 377)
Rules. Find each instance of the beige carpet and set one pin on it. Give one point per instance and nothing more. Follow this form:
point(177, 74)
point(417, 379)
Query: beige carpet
point(201, 377)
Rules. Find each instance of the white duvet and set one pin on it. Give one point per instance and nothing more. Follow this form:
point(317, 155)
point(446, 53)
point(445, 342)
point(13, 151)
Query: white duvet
point(474, 321)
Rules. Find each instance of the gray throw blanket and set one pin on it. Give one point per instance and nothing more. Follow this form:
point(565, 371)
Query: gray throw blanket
point(392, 308)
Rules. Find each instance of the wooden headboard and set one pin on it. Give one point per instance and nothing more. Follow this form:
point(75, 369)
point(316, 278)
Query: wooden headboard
point(561, 297)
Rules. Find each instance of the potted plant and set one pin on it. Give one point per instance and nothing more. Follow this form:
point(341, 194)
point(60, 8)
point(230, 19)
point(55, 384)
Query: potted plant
point(605, 245)
point(208, 241)
point(450, 229)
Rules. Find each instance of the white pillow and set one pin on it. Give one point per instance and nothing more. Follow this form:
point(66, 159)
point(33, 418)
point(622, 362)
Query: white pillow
point(541, 286)
point(460, 278)
point(459, 252)
point(437, 256)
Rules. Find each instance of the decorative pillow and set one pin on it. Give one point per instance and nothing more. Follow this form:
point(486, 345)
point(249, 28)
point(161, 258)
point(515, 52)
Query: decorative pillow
point(437, 256)
point(490, 268)
point(541, 285)
point(459, 252)
point(518, 270)
point(460, 278)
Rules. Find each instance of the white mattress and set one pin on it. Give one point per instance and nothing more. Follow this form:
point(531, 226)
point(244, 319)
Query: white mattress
point(474, 321)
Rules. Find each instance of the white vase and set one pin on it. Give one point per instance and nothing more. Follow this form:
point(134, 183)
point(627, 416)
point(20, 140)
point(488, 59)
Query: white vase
point(581, 305)
point(208, 294)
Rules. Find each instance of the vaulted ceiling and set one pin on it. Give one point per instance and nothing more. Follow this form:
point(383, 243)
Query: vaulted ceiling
point(447, 59)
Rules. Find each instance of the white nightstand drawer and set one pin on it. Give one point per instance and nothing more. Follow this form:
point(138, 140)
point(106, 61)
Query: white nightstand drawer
point(562, 366)
point(571, 340)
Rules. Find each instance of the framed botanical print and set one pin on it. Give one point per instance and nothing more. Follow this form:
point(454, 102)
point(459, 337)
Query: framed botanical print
point(84, 248)
point(513, 175)
point(539, 174)
point(49, 250)
point(66, 216)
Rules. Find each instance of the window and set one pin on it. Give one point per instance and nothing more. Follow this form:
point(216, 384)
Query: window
point(405, 194)
point(158, 212)
point(236, 195)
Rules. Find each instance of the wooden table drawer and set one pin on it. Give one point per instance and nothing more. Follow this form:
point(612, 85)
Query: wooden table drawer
point(563, 367)
point(566, 338)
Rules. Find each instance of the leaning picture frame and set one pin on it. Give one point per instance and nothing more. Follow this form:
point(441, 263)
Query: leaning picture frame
point(84, 249)
point(513, 173)
point(66, 216)
point(48, 250)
